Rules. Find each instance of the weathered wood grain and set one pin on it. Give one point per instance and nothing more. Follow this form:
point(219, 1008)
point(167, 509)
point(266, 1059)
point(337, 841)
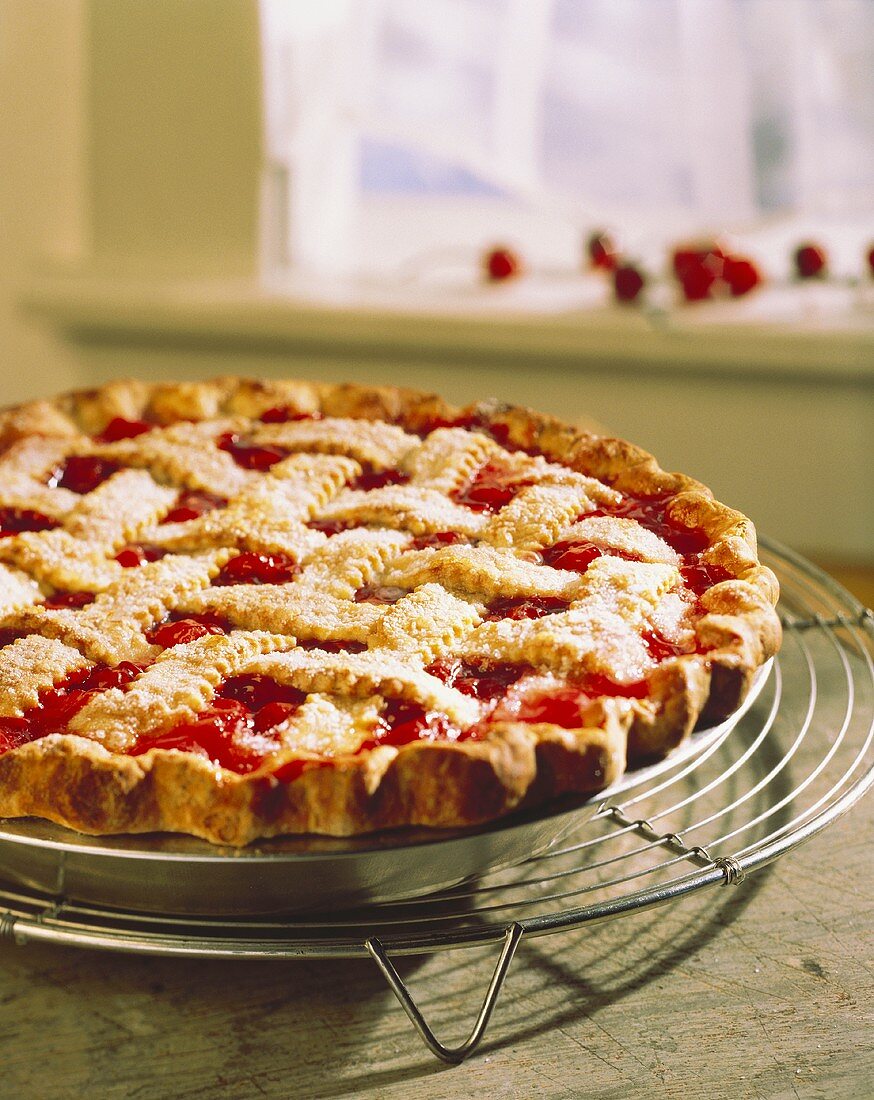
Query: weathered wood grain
point(758, 991)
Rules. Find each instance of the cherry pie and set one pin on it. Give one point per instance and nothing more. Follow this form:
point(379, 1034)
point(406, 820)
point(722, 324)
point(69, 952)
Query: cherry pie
point(242, 608)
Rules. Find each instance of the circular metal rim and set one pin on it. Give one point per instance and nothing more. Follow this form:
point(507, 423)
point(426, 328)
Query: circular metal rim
point(47, 926)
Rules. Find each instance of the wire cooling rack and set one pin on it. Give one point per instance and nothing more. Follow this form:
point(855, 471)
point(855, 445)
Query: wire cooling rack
point(799, 758)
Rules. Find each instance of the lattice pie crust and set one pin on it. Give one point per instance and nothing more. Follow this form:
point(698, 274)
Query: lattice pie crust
point(243, 608)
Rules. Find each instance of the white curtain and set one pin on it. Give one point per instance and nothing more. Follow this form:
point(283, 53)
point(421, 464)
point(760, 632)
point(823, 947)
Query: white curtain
point(723, 111)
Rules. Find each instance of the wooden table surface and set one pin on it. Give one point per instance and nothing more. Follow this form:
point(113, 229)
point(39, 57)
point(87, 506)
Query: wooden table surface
point(759, 990)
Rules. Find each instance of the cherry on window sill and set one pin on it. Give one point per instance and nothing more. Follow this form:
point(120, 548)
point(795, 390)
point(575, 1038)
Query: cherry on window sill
point(500, 264)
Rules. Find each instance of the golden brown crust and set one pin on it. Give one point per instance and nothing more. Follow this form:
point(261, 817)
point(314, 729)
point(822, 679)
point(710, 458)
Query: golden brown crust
point(77, 782)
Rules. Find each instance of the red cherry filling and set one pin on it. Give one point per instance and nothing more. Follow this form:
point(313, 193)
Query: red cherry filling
point(332, 646)
point(102, 678)
point(565, 705)
point(14, 732)
point(491, 487)
point(180, 631)
point(60, 600)
point(437, 539)
point(218, 733)
point(285, 773)
point(82, 473)
point(660, 649)
point(378, 479)
point(118, 428)
point(525, 607)
point(478, 423)
point(57, 706)
point(193, 505)
point(249, 455)
point(403, 722)
point(485, 681)
point(330, 527)
point(651, 514)
point(575, 555)
point(256, 691)
point(699, 577)
point(248, 568)
point(14, 521)
point(234, 731)
point(138, 554)
point(379, 593)
point(285, 414)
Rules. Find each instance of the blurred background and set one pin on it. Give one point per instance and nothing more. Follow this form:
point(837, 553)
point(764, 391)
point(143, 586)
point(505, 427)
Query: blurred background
point(451, 195)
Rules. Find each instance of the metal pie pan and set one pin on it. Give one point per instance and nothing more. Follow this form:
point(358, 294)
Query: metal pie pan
point(173, 874)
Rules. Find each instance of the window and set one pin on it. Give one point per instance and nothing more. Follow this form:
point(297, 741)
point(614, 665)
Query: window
point(660, 117)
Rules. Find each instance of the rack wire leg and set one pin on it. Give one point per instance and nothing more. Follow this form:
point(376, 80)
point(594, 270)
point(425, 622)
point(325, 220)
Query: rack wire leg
point(453, 1055)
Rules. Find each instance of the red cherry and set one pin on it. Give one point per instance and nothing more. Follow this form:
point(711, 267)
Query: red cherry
point(403, 721)
point(491, 487)
point(102, 679)
point(697, 282)
point(379, 593)
point(249, 455)
point(13, 521)
point(437, 539)
point(285, 414)
point(193, 505)
point(810, 261)
point(699, 578)
point(561, 706)
point(501, 263)
point(333, 645)
point(660, 649)
point(573, 555)
point(486, 681)
point(329, 527)
point(871, 260)
point(378, 479)
point(132, 556)
point(741, 275)
point(602, 251)
point(628, 282)
point(274, 714)
point(58, 707)
point(170, 634)
point(286, 773)
point(14, 732)
point(82, 473)
point(118, 428)
point(256, 691)
point(251, 568)
point(688, 256)
point(59, 600)
point(521, 607)
point(218, 733)
point(699, 271)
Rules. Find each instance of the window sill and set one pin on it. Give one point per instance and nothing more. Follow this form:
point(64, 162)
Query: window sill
point(817, 333)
